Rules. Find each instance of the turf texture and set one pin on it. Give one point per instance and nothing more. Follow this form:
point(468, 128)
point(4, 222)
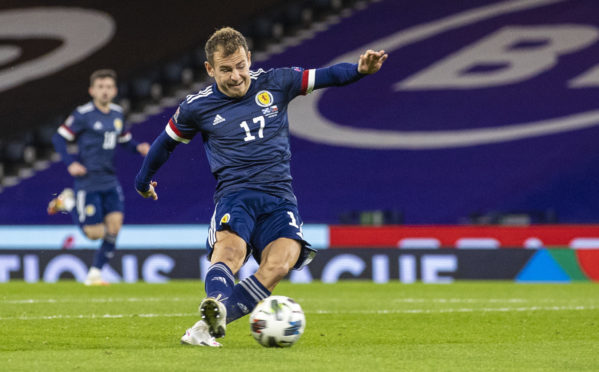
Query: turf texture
point(351, 326)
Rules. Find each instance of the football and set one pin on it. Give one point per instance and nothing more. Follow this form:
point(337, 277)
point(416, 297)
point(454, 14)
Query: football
point(277, 321)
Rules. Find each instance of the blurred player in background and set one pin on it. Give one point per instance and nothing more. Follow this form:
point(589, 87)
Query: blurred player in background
point(97, 203)
point(242, 119)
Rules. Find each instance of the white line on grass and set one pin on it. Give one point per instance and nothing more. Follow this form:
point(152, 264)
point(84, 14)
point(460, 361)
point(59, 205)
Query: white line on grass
point(470, 300)
point(462, 310)
point(100, 300)
point(320, 312)
point(99, 316)
point(196, 298)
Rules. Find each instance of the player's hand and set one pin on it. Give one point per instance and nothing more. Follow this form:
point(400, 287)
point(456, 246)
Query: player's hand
point(143, 148)
point(76, 169)
point(371, 61)
point(151, 193)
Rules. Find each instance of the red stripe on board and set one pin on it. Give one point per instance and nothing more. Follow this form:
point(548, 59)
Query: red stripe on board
point(507, 236)
point(588, 259)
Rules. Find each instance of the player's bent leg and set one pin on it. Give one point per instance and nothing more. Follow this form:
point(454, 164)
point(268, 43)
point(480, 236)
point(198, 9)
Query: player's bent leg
point(244, 298)
point(278, 259)
point(63, 202)
point(198, 335)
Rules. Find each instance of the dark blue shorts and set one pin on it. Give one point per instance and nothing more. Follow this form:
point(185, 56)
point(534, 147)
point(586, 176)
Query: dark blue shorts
point(92, 207)
point(259, 219)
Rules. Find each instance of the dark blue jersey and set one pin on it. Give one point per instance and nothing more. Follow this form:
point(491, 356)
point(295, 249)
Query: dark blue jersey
point(96, 134)
point(246, 139)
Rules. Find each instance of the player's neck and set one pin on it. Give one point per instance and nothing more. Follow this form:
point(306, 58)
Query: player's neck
point(105, 108)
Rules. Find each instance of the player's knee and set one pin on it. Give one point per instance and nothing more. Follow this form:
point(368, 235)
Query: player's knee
point(93, 235)
point(113, 230)
point(94, 232)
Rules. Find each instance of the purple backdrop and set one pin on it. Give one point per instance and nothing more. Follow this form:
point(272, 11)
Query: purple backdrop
point(553, 170)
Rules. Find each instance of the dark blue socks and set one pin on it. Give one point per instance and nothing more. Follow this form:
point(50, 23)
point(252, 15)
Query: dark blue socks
point(239, 299)
point(105, 252)
point(219, 281)
point(244, 298)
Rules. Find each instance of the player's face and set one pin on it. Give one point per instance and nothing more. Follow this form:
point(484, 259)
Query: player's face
point(103, 91)
point(232, 73)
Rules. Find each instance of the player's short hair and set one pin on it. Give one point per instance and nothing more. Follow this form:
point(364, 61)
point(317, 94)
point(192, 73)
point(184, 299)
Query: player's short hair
point(101, 74)
point(229, 39)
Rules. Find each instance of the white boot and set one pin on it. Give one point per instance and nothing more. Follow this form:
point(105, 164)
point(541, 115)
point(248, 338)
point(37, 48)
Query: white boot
point(198, 335)
point(64, 202)
point(94, 277)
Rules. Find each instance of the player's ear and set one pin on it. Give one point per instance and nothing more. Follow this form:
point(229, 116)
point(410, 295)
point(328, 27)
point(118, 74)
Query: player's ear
point(249, 58)
point(209, 68)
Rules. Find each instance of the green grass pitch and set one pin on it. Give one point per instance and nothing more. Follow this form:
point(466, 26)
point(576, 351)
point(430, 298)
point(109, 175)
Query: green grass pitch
point(351, 326)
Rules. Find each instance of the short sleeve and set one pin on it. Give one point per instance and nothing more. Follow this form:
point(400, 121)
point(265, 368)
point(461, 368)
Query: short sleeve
point(181, 127)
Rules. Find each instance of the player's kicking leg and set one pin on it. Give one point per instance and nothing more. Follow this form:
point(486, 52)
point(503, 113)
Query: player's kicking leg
point(198, 335)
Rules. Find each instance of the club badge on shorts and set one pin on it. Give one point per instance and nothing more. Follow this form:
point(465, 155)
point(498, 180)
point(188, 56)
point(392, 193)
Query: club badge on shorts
point(225, 219)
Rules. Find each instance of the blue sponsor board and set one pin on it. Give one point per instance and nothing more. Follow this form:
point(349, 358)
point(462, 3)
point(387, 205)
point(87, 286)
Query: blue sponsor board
point(329, 266)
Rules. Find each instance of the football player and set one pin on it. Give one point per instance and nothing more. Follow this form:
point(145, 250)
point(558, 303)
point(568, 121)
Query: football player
point(242, 119)
point(97, 200)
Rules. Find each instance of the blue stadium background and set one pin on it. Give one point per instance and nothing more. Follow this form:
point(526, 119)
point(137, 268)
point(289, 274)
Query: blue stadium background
point(554, 174)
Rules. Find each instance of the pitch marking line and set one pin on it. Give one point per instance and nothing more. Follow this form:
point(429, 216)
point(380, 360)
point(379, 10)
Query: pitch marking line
point(319, 312)
point(195, 298)
point(100, 300)
point(97, 316)
point(464, 310)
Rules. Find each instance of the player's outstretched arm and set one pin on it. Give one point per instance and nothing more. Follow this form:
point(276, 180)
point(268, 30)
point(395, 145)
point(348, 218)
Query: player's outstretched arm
point(159, 153)
point(371, 61)
point(343, 73)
